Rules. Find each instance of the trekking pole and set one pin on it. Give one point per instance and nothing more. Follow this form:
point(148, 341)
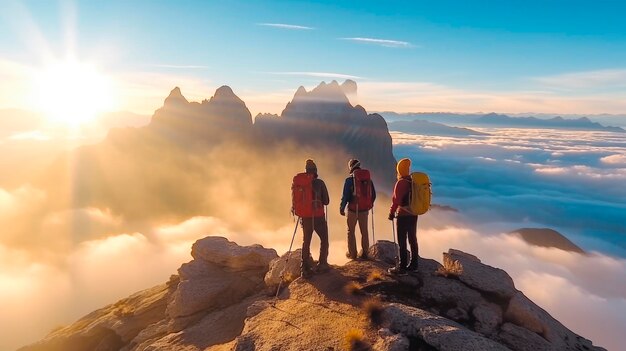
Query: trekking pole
point(393, 230)
point(373, 228)
point(282, 274)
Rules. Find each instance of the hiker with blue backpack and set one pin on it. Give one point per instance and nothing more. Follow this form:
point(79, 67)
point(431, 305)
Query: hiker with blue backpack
point(359, 195)
point(411, 197)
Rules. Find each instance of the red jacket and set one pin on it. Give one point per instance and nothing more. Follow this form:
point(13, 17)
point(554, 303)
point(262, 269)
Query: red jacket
point(401, 197)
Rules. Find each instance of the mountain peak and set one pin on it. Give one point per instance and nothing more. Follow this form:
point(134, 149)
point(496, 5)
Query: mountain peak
point(349, 87)
point(224, 92)
point(175, 97)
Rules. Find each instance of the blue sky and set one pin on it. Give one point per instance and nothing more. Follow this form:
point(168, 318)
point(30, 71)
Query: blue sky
point(527, 56)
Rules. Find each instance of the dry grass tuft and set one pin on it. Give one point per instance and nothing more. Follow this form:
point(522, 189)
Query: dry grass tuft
point(375, 311)
point(288, 278)
point(353, 288)
point(355, 341)
point(375, 276)
point(450, 268)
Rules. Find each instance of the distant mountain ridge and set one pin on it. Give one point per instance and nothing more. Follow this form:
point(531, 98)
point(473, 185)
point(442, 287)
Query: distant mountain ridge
point(423, 127)
point(501, 120)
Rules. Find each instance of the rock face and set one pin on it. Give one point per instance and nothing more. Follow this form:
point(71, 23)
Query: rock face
point(216, 302)
point(324, 117)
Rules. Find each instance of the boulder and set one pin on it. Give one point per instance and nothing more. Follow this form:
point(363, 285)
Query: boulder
point(226, 253)
point(291, 266)
point(383, 251)
point(440, 291)
point(479, 276)
point(488, 318)
point(525, 313)
point(395, 342)
point(521, 339)
point(439, 332)
point(460, 253)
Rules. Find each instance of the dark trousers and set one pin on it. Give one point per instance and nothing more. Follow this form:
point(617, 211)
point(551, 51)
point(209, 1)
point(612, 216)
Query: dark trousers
point(407, 229)
point(319, 225)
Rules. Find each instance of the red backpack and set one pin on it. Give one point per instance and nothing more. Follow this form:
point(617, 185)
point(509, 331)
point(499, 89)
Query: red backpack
point(362, 191)
point(303, 198)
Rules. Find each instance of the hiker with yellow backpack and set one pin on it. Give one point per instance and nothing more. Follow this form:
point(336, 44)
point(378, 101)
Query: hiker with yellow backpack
point(411, 197)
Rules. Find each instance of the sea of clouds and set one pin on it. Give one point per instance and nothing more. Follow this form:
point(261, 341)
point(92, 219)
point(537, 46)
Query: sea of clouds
point(568, 181)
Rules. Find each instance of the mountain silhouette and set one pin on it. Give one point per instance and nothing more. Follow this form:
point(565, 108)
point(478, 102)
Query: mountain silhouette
point(195, 157)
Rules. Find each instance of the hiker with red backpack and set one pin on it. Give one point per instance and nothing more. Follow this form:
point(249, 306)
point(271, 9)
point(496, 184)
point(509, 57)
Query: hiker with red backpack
point(406, 223)
point(359, 194)
point(309, 196)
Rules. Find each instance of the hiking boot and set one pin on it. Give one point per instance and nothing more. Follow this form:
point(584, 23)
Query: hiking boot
point(322, 267)
point(397, 270)
point(306, 273)
point(412, 268)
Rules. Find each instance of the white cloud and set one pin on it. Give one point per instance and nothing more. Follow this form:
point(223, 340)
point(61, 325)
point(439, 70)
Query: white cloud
point(606, 78)
point(329, 75)
point(382, 42)
point(615, 160)
point(285, 26)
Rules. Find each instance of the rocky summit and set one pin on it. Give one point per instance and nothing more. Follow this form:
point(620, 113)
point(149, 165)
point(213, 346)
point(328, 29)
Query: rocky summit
point(224, 299)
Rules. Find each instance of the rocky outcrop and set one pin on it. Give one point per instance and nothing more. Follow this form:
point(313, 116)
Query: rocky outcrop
point(481, 277)
point(220, 301)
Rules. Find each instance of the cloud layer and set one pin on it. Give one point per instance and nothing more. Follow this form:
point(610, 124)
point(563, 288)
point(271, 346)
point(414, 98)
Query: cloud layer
point(569, 181)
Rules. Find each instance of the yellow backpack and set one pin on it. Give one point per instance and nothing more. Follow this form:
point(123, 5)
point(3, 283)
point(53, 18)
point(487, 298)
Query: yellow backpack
point(421, 193)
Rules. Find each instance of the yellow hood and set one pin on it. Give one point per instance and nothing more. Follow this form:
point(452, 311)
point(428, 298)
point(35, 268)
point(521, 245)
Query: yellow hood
point(403, 167)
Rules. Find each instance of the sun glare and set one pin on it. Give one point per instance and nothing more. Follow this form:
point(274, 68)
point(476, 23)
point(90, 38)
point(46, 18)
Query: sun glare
point(73, 93)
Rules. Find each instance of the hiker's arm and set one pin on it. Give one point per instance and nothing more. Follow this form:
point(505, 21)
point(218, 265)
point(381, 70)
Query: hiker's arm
point(325, 197)
point(373, 192)
point(347, 193)
point(399, 192)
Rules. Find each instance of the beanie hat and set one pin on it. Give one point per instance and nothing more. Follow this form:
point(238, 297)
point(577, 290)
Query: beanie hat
point(403, 167)
point(310, 166)
point(353, 164)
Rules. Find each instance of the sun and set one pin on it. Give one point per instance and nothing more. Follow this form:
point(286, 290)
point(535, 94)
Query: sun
point(73, 93)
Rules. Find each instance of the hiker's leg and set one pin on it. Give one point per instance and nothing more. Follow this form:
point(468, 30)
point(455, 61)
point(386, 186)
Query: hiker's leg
point(402, 236)
point(307, 230)
point(412, 234)
point(365, 236)
point(351, 220)
point(321, 227)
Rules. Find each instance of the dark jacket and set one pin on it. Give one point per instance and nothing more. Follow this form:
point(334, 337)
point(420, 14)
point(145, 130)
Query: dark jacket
point(348, 192)
point(401, 197)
